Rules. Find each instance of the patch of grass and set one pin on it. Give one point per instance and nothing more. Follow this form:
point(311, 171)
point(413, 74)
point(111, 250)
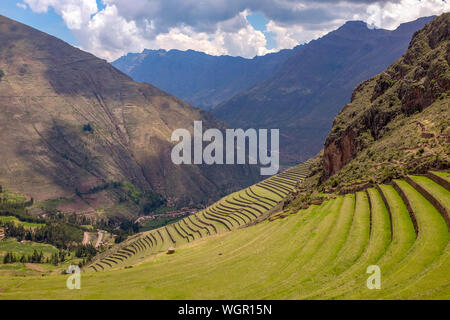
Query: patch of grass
point(439, 192)
point(11, 245)
point(53, 204)
point(16, 221)
point(444, 175)
point(157, 223)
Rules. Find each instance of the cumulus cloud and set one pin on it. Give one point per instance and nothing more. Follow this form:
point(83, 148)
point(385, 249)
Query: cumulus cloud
point(76, 13)
point(220, 26)
point(390, 14)
point(109, 35)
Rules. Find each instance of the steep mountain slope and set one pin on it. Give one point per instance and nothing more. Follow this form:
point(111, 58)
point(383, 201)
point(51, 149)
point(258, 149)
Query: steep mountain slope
point(399, 118)
point(71, 125)
point(198, 78)
point(303, 97)
point(396, 124)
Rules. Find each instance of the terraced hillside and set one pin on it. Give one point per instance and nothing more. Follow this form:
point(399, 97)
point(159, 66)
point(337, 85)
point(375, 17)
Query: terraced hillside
point(319, 252)
point(231, 212)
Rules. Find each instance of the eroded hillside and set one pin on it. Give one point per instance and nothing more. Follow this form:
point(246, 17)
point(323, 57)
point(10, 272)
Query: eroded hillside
point(74, 126)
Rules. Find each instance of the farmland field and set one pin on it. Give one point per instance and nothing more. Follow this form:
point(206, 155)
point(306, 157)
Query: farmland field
point(16, 221)
point(25, 248)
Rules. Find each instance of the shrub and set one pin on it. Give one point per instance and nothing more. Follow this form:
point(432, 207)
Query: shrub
point(388, 174)
point(335, 183)
point(88, 128)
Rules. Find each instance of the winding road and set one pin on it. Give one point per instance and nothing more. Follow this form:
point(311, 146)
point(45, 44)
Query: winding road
point(85, 238)
point(99, 239)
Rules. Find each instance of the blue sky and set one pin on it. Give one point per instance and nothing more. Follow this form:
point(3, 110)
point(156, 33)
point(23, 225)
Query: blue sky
point(259, 22)
point(219, 27)
point(49, 22)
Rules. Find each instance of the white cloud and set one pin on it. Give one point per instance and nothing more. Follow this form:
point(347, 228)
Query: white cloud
point(290, 36)
point(109, 35)
point(219, 26)
point(389, 15)
point(76, 13)
point(382, 14)
point(21, 5)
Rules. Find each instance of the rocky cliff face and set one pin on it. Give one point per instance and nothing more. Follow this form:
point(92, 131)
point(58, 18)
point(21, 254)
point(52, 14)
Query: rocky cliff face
point(414, 82)
point(71, 126)
point(340, 152)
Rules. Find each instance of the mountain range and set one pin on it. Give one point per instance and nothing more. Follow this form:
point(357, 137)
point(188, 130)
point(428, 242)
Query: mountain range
point(298, 91)
point(305, 94)
point(198, 78)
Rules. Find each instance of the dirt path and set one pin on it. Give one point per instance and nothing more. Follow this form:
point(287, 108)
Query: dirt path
point(85, 238)
point(99, 239)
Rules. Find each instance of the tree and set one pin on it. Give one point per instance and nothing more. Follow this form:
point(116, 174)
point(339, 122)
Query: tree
point(87, 250)
point(54, 260)
point(9, 258)
point(88, 128)
point(6, 258)
point(35, 257)
point(62, 256)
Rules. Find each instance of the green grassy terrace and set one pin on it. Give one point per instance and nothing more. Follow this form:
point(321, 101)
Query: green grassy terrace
point(321, 252)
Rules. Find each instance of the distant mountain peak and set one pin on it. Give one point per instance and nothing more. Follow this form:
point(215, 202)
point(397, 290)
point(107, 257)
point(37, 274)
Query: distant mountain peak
point(354, 24)
point(357, 30)
point(199, 78)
